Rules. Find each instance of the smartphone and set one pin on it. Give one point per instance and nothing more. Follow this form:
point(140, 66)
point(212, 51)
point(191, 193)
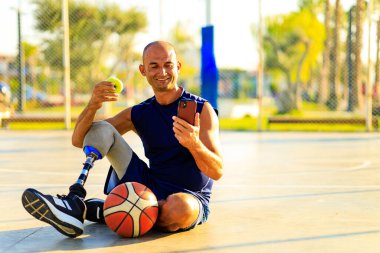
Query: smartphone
point(186, 110)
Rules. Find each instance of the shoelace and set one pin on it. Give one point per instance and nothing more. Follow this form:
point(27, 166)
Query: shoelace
point(63, 196)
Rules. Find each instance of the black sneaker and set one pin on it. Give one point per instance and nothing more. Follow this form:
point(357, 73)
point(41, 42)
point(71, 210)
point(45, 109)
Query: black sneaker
point(95, 210)
point(64, 213)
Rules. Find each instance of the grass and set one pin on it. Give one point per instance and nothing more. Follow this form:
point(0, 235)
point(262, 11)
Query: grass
point(318, 127)
point(250, 124)
point(242, 124)
point(38, 126)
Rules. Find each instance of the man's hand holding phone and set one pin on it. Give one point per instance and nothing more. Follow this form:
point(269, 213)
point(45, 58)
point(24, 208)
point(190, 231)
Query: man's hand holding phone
point(186, 123)
point(186, 110)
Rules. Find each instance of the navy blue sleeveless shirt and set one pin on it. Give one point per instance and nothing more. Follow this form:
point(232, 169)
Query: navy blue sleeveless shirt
point(172, 168)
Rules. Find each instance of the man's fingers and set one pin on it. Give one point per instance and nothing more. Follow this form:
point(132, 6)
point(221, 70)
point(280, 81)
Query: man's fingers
point(181, 126)
point(178, 129)
point(107, 97)
point(197, 120)
point(181, 122)
point(105, 87)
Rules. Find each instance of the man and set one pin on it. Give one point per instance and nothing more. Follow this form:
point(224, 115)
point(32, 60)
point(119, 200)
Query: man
point(184, 159)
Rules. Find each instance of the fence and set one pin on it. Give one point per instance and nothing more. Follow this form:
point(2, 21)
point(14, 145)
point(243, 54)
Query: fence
point(321, 58)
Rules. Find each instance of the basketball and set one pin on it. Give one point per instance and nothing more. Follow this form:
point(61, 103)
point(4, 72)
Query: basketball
point(130, 209)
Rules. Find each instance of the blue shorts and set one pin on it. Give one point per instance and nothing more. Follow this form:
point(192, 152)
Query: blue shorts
point(138, 171)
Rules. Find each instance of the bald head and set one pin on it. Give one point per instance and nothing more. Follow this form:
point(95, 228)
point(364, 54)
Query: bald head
point(158, 44)
point(160, 66)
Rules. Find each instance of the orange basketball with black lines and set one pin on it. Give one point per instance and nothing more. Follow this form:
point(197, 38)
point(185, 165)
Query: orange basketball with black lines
point(130, 209)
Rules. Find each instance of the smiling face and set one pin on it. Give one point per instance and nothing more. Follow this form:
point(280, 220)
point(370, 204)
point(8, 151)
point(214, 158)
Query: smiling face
point(160, 66)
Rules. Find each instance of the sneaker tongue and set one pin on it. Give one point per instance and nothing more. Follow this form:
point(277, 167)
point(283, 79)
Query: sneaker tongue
point(78, 190)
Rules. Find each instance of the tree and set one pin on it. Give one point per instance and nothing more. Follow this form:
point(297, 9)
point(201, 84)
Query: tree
point(322, 91)
point(31, 61)
point(292, 45)
point(349, 60)
point(321, 7)
point(357, 88)
point(334, 77)
point(377, 65)
point(101, 38)
point(314, 6)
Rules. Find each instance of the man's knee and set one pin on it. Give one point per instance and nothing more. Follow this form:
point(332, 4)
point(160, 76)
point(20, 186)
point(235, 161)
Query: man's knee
point(100, 136)
point(108, 141)
point(100, 130)
point(178, 211)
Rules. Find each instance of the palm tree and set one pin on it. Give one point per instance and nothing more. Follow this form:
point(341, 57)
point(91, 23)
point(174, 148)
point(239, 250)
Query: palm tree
point(349, 60)
point(31, 54)
point(377, 66)
point(334, 79)
point(322, 93)
point(357, 88)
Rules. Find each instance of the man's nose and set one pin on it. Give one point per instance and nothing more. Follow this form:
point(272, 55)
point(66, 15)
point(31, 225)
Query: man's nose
point(162, 71)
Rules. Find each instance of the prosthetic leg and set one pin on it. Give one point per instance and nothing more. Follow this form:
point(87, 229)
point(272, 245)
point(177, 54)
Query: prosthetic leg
point(92, 154)
point(102, 140)
point(66, 213)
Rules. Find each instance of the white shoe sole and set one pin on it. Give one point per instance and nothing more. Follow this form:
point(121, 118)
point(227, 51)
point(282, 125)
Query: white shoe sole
point(41, 209)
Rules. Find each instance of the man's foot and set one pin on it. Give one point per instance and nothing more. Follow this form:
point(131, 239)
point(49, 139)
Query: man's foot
point(64, 213)
point(95, 210)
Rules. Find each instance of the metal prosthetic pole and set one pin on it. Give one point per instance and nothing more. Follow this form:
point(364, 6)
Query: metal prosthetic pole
point(90, 159)
point(92, 155)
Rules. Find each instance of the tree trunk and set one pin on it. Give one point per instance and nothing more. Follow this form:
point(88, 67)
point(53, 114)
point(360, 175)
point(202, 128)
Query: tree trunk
point(298, 87)
point(349, 60)
point(334, 80)
point(322, 93)
point(377, 66)
point(357, 89)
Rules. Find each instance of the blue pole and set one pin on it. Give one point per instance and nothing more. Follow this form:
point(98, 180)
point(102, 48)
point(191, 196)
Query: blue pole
point(209, 70)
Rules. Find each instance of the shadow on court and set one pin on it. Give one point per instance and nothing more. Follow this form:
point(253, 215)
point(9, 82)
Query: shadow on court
point(45, 239)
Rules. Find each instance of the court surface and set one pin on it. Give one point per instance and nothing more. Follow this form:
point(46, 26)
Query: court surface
point(281, 192)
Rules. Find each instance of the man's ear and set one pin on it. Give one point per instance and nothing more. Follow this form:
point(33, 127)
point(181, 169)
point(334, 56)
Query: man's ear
point(142, 69)
point(178, 65)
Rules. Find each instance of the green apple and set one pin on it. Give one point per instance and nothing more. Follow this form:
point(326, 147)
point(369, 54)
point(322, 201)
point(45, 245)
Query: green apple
point(118, 84)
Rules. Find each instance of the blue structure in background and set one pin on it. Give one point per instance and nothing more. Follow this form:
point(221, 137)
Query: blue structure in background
point(209, 71)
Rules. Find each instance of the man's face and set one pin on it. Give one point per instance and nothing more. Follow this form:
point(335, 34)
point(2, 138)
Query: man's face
point(160, 67)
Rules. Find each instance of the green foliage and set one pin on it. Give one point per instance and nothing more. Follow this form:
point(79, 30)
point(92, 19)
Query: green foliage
point(250, 124)
point(98, 34)
point(292, 45)
point(290, 33)
point(314, 6)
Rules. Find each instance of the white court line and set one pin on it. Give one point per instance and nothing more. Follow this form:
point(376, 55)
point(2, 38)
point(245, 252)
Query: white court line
point(54, 173)
point(3, 186)
point(296, 186)
point(362, 166)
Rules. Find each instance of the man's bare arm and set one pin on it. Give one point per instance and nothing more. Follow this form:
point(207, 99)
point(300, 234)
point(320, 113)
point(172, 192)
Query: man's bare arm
point(103, 92)
point(202, 140)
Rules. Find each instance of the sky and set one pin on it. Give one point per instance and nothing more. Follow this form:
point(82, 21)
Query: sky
point(234, 43)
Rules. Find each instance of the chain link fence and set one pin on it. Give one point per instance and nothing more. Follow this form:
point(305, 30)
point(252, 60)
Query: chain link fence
point(321, 59)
